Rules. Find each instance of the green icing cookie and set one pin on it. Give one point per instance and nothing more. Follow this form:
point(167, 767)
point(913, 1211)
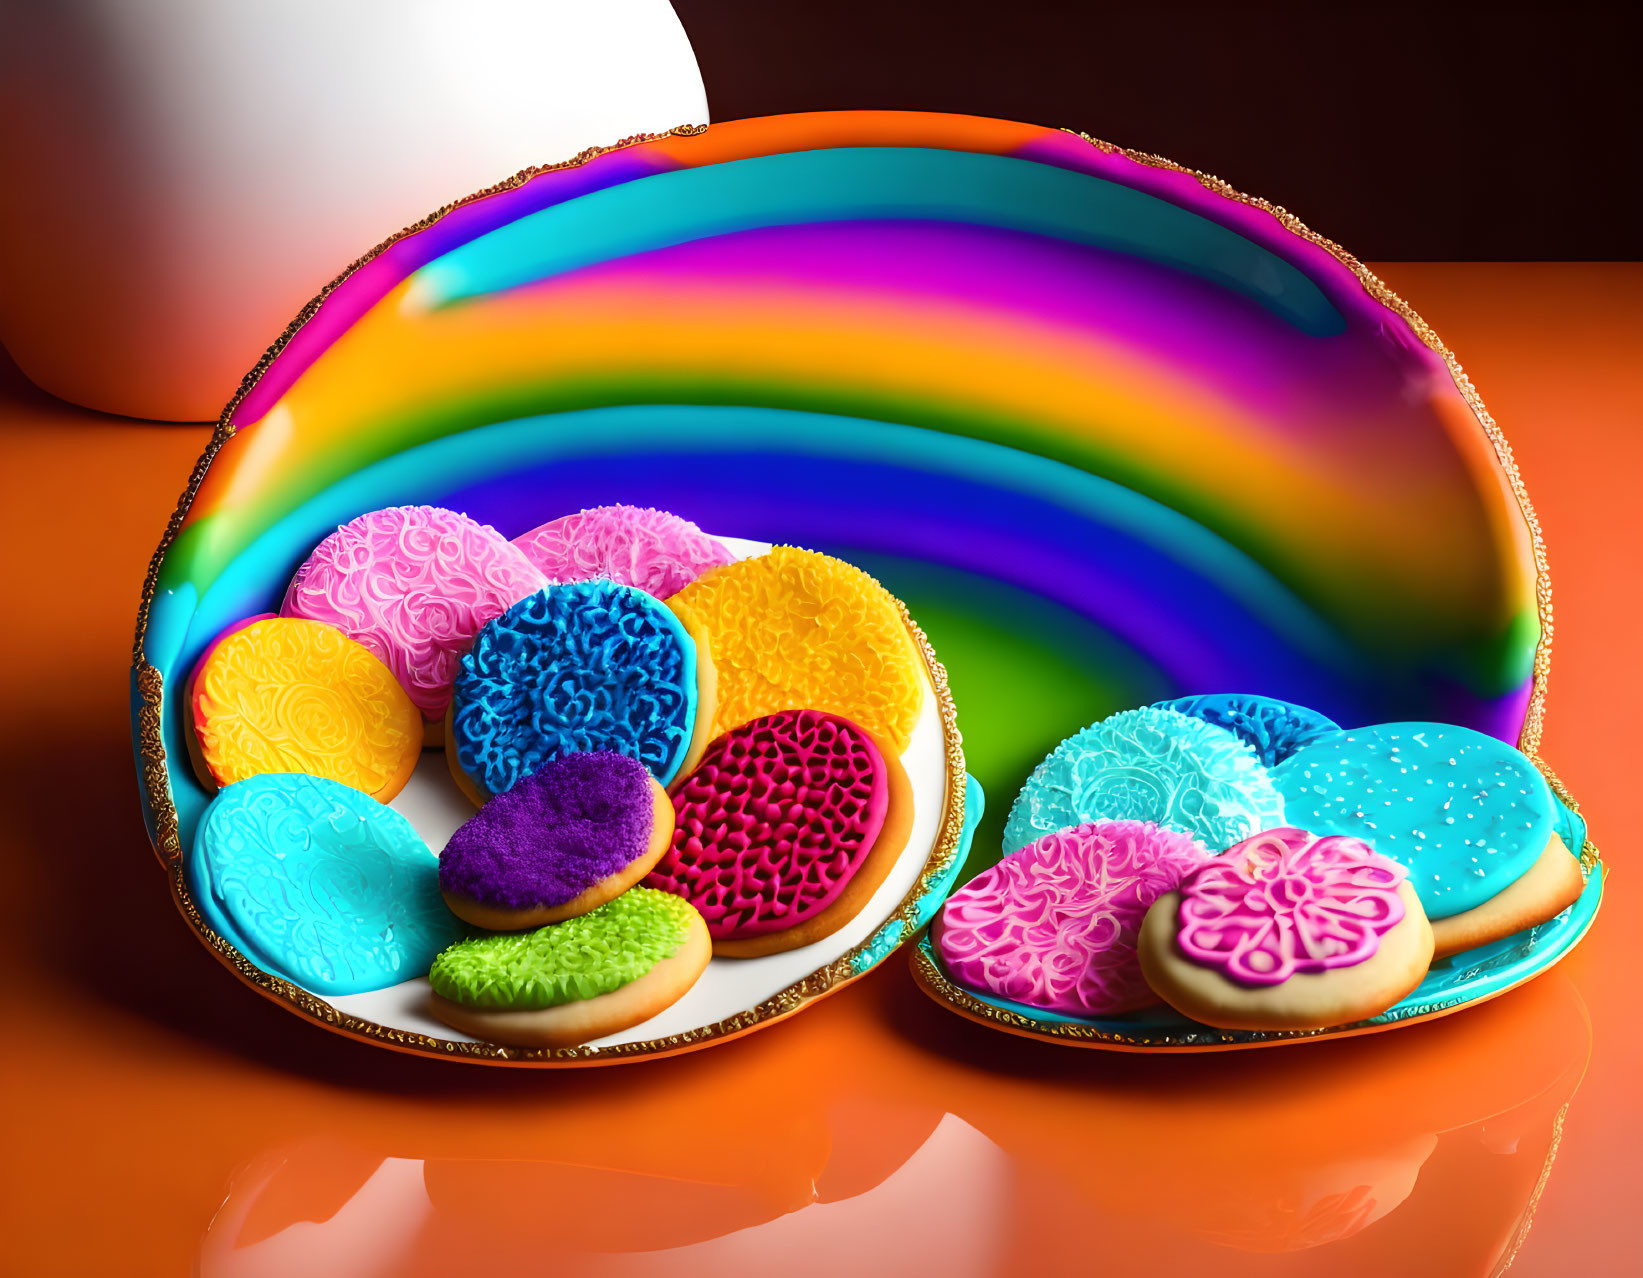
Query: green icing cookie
point(581, 958)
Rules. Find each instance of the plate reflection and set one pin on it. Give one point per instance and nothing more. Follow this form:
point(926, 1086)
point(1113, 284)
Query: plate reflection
point(838, 1147)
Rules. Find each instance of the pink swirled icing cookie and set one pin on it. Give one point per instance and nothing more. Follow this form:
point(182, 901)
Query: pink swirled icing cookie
point(414, 584)
point(784, 831)
point(1288, 930)
point(658, 552)
point(1054, 924)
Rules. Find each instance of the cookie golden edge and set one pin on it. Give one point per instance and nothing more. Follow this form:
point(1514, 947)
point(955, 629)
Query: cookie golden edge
point(573, 1024)
point(1547, 888)
point(707, 690)
point(475, 793)
point(1306, 1001)
point(497, 919)
point(887, 848)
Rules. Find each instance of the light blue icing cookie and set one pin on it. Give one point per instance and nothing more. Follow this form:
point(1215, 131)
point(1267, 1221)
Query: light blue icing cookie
point(1466, 813)
point(1149, 765)
point(578, 667)
point(1275, 728)
point(319, 883)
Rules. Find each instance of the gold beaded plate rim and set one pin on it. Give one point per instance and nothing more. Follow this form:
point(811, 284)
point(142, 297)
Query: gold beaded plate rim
point(149, 686)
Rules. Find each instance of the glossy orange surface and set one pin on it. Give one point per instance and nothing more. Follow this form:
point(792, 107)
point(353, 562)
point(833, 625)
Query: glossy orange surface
point(162, 1119)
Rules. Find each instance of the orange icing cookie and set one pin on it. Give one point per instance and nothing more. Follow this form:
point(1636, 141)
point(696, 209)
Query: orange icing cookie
point(796, 630)
point(289, 695)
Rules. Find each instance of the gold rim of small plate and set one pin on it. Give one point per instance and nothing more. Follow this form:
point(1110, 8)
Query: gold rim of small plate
point(935, 983)
point(946, 992)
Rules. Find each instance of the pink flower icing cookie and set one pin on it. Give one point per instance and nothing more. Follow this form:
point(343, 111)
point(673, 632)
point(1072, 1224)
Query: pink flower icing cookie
point(414, 584)
point(1054, 924)
point(1288, 931)
point(658, 552)
point(785, 830)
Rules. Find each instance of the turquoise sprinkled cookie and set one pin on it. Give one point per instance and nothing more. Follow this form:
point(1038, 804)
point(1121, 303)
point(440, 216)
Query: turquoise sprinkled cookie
point(575, 668)
point(1275, 728)
point(571, 982)
point(1468, 814)
point(319, 883)
point(1153, 765)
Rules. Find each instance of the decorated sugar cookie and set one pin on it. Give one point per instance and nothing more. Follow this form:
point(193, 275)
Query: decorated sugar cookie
point(1275, 728)
point(1288, 930)
point(1149, 765)
point(1548, 887)
point(414, 584)
point(658, 552)
point(1054, 924)
point(1468, 814)
point(567, 838)
point(571, 982)
point(793, 630)
point(320, 884)
point(785, 830)
point(574, 668)
point(192, 738)
point(287, 695)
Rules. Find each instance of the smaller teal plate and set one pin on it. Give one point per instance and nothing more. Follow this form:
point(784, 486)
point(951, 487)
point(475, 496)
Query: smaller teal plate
point(1454, 983)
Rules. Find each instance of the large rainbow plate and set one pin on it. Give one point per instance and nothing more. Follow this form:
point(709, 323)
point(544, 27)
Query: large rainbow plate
point(1112, 431)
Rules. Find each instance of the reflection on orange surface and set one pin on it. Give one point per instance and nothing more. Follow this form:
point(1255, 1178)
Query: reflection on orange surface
point(413, 1218)
point(1435, 1142)
point(1423, 1144)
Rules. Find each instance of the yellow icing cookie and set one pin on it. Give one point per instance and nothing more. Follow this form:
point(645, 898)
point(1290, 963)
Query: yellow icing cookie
point(795, 630)
point(289, 695)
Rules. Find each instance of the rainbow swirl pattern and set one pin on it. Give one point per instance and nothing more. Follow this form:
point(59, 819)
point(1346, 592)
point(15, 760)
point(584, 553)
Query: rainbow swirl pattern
point(1113, 435)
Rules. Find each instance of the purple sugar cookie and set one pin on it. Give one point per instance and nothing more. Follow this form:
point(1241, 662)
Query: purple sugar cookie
point(658, 552)
point(1054, 925)
point(563, 841)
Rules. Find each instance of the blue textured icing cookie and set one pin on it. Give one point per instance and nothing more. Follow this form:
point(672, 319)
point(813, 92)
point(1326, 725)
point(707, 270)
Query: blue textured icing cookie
point(1275, 728)
point(1466, 813)
point(1149, 765)
point(319, 883)
point(579, 667)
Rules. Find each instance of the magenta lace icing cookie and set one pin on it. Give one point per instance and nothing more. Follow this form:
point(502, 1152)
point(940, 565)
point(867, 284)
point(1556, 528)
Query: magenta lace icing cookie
point(1054, 924)
point(1288, 930)
point(658, 552)
point(414, 584)
point(784, 829)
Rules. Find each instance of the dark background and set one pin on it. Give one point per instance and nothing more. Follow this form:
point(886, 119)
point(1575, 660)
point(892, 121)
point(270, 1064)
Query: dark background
point(1402, 131)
